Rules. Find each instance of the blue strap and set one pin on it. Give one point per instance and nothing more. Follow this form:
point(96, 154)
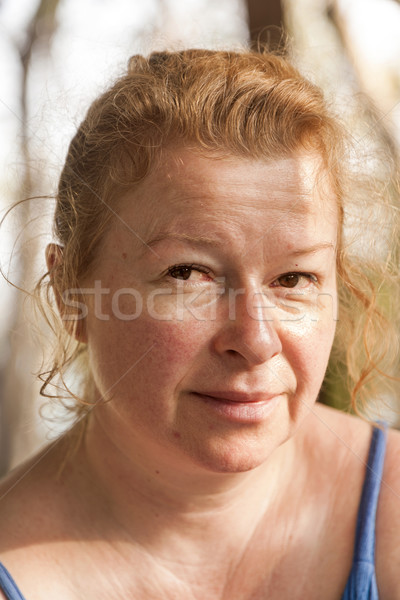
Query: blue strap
point(365, 533)
point(8, 585)
point(361, 584)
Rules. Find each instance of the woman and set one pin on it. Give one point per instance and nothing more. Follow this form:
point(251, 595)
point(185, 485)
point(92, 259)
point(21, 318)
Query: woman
point(198, 261)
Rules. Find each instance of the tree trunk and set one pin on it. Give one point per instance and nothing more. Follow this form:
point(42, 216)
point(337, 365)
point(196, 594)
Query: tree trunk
point(265, 22)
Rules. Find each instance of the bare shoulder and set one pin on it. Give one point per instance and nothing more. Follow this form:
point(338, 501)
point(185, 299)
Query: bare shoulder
point(343, 442)
point(19, 518)
point(33, 509)
point(388, 522)
point(24, 504)
point(347, 436)
point(16, 512)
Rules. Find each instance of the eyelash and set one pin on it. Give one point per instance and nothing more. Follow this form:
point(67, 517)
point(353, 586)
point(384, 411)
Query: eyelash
point(311, 278)
point(189, 267)
point(193, 267)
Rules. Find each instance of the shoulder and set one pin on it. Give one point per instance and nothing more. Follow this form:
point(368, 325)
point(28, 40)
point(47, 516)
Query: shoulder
point(33, 509)
point(337, 446)
point(342, 439)
point(388, 522)
point(42, 524)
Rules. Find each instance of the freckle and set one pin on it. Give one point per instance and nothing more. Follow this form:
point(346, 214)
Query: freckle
point(124, 255)
point(177, 434)
point(157, 472)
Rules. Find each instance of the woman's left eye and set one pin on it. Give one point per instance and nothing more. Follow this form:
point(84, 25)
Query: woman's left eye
point(294, 280)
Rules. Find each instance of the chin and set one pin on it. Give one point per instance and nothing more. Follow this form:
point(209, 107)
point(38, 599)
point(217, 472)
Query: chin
point(227, 458)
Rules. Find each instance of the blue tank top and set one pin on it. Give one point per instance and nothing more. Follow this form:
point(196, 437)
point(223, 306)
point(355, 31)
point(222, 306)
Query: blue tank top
point(361, 584)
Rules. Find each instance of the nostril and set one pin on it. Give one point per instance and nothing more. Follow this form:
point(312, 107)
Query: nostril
point(232, 352)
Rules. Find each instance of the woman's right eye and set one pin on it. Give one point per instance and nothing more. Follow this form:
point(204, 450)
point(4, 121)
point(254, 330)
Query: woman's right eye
point(185, 272)
point(180, 272)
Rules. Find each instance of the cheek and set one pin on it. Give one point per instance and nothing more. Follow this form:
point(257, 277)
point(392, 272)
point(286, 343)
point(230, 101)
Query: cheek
point(145, 355)
point(308, 346)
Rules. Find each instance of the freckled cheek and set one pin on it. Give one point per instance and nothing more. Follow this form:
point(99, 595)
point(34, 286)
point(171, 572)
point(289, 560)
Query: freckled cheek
point(162, 304)
point(154, 353)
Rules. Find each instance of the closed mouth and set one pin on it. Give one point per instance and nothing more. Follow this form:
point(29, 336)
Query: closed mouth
point(237, 397)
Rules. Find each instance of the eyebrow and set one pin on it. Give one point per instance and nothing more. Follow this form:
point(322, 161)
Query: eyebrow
point(202, 240)
point(314, 248)
point(184, 237)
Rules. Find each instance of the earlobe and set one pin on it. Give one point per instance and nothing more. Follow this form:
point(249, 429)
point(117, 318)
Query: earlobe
point(74, 322)
point(54, 257)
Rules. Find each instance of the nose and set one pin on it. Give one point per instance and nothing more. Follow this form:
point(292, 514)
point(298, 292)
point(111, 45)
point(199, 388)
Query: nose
point(250, 330)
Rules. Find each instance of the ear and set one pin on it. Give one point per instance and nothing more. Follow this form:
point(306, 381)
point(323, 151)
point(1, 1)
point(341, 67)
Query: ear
point(74, 323)
point(54, 257)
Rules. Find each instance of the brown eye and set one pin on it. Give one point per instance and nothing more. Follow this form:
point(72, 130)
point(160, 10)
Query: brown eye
point(290, 280)
point(196, 273)
point(180, 272)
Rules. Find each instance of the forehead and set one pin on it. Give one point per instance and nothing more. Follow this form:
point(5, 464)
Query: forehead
point(190, 192)
point(182, 171)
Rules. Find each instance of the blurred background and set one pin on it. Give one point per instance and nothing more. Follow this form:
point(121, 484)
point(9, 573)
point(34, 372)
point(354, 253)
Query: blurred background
point(56, 56)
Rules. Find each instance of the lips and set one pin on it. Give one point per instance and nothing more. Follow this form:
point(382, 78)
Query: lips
point(238, 397)
point(237, 407)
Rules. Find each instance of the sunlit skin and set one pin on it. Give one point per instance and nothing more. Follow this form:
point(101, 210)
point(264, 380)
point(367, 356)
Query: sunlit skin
point(234, 261)
point(206, 470)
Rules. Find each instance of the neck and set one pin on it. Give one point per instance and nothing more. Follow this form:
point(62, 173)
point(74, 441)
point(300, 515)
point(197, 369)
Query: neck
point(182, 497)
point(169, 518)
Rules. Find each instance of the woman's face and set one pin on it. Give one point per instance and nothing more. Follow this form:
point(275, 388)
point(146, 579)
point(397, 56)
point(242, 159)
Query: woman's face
point(212, 308)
